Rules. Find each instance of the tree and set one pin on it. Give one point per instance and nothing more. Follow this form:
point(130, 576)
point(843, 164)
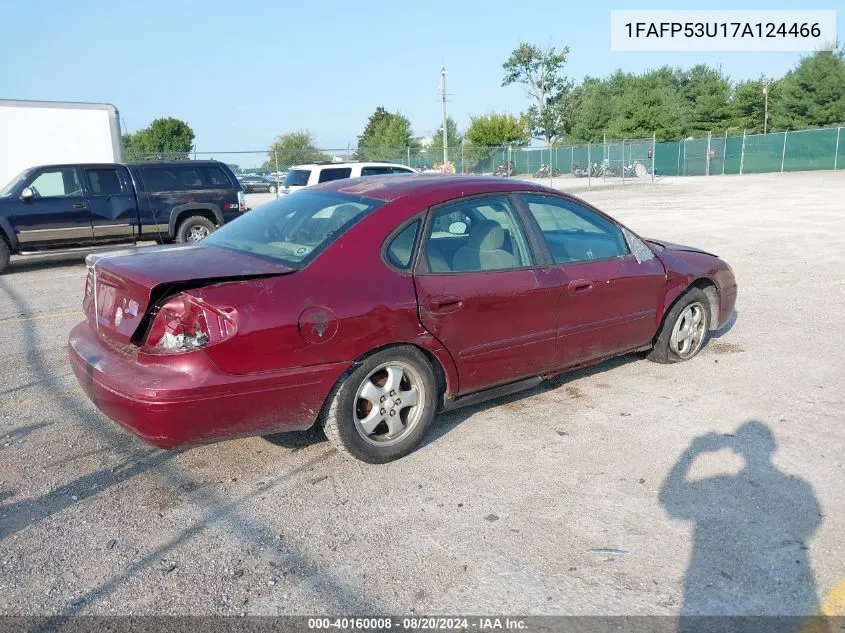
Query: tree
point(366, 136)
point(647, 106)
point(489, 132)
point(813, 94)
point(592, 110)
point(391, 139)
point(163, 138)
point(293, 148)
point(435, 150)
point(539, 71)
point(748, 104)
point(706, 95)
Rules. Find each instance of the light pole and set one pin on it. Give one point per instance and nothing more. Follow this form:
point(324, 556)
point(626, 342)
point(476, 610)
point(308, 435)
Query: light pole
point(445, 126)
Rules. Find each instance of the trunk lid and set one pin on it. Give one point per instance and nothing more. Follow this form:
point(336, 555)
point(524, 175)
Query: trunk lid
point(122, 285)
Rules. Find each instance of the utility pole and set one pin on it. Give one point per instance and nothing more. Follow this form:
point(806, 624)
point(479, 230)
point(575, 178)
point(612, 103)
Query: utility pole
point(445, 126)
point(766, 106)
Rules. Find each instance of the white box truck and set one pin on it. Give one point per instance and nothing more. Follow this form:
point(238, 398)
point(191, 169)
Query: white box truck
point(52, 132)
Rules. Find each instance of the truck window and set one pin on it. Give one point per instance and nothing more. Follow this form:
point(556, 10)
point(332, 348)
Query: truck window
point(216, 177)
point(297, 178)
point(104, 182)
point(54, 183)
point(189, 177)
point(159, 179)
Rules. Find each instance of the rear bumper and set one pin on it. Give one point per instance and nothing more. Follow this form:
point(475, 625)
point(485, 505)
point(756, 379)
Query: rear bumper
point(185, 399)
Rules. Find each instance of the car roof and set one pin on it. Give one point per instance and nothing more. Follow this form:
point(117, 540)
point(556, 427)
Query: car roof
point(429, 186)
point(349, 163)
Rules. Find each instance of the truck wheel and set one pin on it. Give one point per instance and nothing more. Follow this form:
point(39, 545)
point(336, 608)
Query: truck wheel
point(5, 254)
point(194, 229)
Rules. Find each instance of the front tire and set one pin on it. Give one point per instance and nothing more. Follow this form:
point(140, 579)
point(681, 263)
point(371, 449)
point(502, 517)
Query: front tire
point(381, 410)
point(684, 329)
point(194, 229)
point(272, 189)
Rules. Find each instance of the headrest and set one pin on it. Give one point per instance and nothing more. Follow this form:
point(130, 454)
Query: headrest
point(486, 235)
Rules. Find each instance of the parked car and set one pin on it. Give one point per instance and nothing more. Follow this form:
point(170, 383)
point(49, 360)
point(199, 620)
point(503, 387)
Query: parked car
point(56, 207)
point(303, 176)
point(258, 184)
point(367, 305)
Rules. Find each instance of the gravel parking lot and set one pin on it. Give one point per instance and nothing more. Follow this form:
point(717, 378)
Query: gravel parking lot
point(568, 499)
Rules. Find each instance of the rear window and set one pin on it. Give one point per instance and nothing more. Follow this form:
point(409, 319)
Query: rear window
point(335, 173)
point(297, 178)
point(181, 177)
point(216, 177)
point(294, 229)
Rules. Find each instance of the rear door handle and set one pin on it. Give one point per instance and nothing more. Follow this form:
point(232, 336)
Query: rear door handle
point(445, 303)
point(80, 205)
point(580, 286)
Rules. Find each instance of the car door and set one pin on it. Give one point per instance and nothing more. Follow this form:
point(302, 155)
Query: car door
point(487, 302)
point(111, 203)
point(609, 298)
point(55, 214)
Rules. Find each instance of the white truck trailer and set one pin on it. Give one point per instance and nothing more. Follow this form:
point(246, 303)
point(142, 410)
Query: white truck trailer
point(52, 132)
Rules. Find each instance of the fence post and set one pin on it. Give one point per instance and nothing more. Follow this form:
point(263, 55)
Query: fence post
point(409, 155)
point(589, 167)
point(653, 154)
point(685, 157)
point(572, 157)
point(678, 170)
point(707, 164)
point(725, 152)
point(276, 160)
point(742, 153)
point(783, 156)
point(622, 165)
point(836, 151)
point(462, 155)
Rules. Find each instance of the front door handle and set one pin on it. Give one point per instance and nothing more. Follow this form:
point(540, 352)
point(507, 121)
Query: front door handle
point(80, 205)
point(580, 286)
point(445, 303)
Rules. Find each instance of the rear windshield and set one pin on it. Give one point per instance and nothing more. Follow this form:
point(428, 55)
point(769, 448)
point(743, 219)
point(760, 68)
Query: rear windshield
point(294, 229)
point(297, 178)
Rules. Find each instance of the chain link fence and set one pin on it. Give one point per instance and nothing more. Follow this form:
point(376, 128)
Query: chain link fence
point(618, 160)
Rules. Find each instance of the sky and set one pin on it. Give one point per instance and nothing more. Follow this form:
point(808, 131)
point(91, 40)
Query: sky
point(242, 73)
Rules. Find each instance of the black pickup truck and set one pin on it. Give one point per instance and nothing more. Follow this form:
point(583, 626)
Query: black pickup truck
point(60, 207)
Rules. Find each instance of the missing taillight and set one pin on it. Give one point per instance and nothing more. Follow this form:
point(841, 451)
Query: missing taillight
point(185, 323)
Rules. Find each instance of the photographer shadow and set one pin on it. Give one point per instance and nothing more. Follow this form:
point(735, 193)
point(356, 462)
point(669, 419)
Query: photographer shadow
point(750, 556)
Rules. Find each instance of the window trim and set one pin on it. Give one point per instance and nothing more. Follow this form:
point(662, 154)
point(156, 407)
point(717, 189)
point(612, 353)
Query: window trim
point(38, 173)
point(535, 227)
point(415, 250)
point(421, 266)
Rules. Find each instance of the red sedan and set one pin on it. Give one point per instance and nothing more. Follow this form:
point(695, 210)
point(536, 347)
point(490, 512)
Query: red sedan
point(367, 305)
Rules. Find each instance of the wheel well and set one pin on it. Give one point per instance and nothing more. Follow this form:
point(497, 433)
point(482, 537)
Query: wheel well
point(439, 373)
point(205, 213)
point(712, 294)
point(5, 238)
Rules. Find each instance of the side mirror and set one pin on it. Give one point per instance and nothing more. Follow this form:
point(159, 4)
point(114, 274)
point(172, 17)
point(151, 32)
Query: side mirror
point(27, 194)
point(457, 228)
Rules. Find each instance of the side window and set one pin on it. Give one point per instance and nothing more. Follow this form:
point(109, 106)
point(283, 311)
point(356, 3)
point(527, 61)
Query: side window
point(56, 183)
point(401, 170)
point(189, 177)
point(159, 179)
point(401, 248)
point(216, 177)
point(335, 173)
point(573, 232)
point(480, 234)
point(104, 182)
point(373, 170)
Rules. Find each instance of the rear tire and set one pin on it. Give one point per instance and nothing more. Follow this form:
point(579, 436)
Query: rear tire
point(381, 410)
point(5, 255)
point(194, 229)
point(272, 189)
point(684, 330)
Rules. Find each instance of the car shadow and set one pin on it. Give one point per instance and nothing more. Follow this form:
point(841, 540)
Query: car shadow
point(750, 532)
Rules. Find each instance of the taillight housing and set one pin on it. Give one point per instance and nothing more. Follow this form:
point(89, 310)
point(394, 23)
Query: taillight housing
point(242, 200)
point(185, 323)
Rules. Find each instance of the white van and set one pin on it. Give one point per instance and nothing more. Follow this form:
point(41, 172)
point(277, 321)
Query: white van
point(303, 176)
